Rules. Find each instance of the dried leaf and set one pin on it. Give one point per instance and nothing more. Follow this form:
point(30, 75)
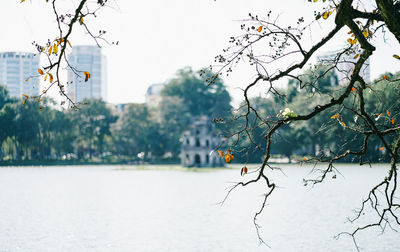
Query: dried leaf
point(396, 56)
point(228, 158)
point(243, 171)
point(51, 77)
point(87, 75)
point(41, 108)
point(69, 43)
point(356, 56)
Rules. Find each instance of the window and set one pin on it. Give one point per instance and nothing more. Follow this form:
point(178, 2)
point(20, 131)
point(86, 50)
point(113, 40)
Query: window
point(197, 142)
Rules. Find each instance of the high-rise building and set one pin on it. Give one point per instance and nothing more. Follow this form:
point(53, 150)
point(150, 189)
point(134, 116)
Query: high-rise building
point(90, 59)
point(15, 69)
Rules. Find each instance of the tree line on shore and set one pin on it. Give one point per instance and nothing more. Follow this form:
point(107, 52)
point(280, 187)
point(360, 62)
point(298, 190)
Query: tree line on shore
point(98, 132)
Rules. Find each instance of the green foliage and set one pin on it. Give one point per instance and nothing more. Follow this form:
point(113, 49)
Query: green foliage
point(200, 99)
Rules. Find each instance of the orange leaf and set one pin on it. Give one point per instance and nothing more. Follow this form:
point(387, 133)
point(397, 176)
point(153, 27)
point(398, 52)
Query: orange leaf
point(385, 77)
point(387, 112)
point(228, 158)
point(24, 95)
point(87, 75)
point(40, 71)
point(259, 29)
point(335, 116)
point(393, 121)
point(51, 77)
point(353, 89)
point(382, 148)
point(243, 171)
point(81, 21)
point(304, 159)
point(221, 153)
point(41, 108)
point(50, 50)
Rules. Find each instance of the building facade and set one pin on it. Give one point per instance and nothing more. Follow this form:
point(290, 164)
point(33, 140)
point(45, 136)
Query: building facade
point(90, 59)
point(199, 145)
point(15, 69)
point(153, 94)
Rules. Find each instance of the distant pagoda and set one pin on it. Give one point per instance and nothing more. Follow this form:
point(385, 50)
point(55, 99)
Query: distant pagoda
point(199, 144)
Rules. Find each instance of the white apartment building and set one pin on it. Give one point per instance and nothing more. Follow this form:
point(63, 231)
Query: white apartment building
point(90, 59)
point(15, 69)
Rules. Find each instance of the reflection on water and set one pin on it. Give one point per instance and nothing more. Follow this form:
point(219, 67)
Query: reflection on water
point(107, 209)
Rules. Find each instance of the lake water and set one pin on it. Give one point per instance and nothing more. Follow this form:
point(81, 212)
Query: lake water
point(106, 208)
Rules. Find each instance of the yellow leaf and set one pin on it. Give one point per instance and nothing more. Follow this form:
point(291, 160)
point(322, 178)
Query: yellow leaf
point(335, 116)
point(325, 15)
point(25, 101)
point(26, 80)
point(87, 75)
point(50, 50)
point(350, 32)
point(343, 124)
point(45, 77)
point(24, 95)
point(81, 21)
point(366, 33)
point(315, 1)
point(382, 148)
point(51, 77)
point(259, 29)
point(228, 158)
point(396, 56)
point(69, 43)
point(40, 71)
point(55, 48)
point(356, 56)
point(243, 171)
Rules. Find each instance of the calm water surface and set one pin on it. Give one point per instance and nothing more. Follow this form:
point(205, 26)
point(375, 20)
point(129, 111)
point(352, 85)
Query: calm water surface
point(105, 208)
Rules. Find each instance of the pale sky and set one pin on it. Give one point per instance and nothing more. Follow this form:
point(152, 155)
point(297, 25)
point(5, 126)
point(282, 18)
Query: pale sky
point(158, 37)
